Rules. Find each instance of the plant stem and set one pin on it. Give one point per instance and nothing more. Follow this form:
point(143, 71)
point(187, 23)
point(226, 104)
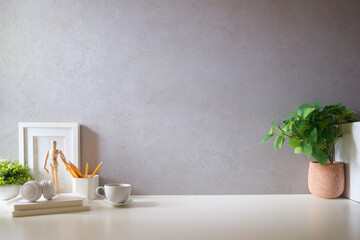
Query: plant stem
point(332, 146)
point(331, 153)
point(279, 132)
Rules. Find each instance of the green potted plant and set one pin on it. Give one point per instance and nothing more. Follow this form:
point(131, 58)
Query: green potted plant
point(314, 130)
point(12, 176)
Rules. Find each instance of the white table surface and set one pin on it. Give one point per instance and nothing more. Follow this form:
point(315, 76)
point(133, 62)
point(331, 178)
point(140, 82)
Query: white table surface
point(220, 217)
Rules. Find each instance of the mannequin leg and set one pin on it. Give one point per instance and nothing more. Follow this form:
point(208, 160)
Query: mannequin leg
point(57, 180)
point(52, 172)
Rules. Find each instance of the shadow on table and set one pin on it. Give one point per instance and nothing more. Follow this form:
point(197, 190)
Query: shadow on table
point(135, 204)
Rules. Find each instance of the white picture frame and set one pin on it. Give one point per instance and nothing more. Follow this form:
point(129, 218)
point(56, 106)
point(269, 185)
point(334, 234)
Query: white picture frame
point(347, 150)
point(35, 140)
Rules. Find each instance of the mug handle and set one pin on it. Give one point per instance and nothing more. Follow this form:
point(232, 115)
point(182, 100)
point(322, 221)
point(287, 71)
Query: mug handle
point(97, 191)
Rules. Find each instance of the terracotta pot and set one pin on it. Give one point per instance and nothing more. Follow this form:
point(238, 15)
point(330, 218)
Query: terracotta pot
point(326, 181)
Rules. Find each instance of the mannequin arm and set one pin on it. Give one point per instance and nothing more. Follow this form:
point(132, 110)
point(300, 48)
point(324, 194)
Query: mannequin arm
point(62, 156)
point(45, 162)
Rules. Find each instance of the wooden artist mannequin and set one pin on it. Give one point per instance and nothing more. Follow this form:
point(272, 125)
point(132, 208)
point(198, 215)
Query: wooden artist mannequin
point(54, 164)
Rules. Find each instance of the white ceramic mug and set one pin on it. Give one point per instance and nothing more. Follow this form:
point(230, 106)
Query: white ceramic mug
point(86, 186)
point(115, 192)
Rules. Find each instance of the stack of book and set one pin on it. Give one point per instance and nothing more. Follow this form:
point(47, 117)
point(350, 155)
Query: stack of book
point(61, 203)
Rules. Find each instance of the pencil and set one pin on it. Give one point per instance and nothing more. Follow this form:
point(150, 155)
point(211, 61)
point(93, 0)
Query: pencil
point(76, 170)
point(67, 167)
point(96, 170)
point(73, 172)
point(86, 170)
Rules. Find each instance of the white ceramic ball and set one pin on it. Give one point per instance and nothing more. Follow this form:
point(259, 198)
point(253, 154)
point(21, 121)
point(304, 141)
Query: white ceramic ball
point(48, 189)
point(31, 191)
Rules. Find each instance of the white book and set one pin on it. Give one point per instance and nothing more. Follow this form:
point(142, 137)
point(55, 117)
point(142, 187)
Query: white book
point(34, 212)
point(59, 201)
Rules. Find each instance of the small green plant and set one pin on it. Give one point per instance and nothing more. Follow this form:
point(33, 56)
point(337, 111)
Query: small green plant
point(12, 172)
point(312, 130)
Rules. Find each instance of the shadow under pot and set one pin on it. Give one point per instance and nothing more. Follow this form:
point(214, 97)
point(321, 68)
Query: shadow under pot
point(326, 181)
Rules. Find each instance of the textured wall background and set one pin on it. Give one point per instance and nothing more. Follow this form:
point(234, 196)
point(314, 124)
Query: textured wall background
point(175, 96)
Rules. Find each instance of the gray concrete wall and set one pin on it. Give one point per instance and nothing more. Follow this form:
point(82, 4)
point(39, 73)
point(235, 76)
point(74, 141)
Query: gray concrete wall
point(175, 96)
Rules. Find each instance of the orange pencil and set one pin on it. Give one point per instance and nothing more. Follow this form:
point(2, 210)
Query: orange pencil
point(86, 170)
point(63, 161)
point(73, 171)
point(96, 170)
point(67, 167)
point(76, 170)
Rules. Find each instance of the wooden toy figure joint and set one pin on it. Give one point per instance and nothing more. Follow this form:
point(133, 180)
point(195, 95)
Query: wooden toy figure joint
point(54, 164)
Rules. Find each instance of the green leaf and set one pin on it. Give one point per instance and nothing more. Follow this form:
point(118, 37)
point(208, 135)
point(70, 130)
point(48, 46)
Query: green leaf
point(308, 111)
point(271, 130)
point(315, 104)
point(349, 116)
point(350, 119)
point(301, 109)
point(324, 123)
point(312, 119)
point(300, 124)
point(313, 135)
point(279, 140)
point(307, 133)
point(305, 147)
point(298, 150)
point(295, 130)
point(285, 129)
point(349, 112)
point(308, 155)
point(294, 143)
point(320, 156)
point(273, 120)
point(266, 137)
point(331, 107)
point(329, 134)
point(292, 114)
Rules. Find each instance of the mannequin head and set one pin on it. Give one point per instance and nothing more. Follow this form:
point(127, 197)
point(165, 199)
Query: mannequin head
point(53, 144)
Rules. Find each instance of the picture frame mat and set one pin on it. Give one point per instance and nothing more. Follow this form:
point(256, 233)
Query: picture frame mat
point(35, 140)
